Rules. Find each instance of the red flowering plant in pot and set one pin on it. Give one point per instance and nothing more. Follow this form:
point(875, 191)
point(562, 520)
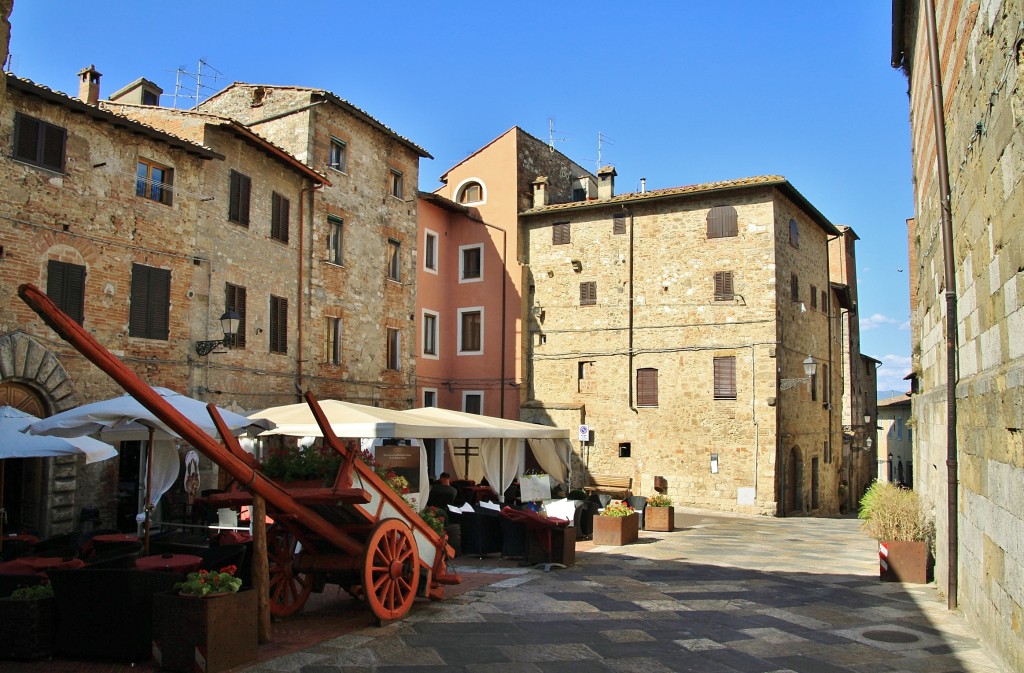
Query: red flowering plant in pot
point(204, 583)
point(617, 524)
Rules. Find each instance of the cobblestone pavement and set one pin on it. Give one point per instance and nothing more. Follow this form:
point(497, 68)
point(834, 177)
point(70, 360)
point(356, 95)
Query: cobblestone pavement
point(720, 595)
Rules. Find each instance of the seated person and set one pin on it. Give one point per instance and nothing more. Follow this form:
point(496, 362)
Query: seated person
point(442, 493)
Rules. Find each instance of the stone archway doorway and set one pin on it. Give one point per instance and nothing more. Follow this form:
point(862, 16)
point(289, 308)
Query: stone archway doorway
point(23, 492)
point(794, 497)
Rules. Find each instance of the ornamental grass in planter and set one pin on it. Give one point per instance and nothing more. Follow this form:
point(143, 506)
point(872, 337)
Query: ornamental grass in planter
point(660, 514)
point(28, 623)
point(894, 516)
point(617, 524)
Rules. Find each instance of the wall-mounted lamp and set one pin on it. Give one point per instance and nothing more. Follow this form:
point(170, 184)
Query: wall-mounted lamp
point(577, 265)
point(810, 369)
point(229, 323)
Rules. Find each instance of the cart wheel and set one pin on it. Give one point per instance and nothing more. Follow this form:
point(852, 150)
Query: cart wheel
point(391, 570)
point(288, 589)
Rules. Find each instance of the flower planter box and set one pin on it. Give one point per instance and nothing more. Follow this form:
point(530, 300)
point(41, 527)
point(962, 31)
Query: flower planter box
point(616, 530)
point(904, 562)
point(192, 634)
point(27, 628)
point(661, 519)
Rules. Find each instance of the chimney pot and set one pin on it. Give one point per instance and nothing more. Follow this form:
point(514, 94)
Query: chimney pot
point(540, 191)
point(606, 182)
point(89, 85)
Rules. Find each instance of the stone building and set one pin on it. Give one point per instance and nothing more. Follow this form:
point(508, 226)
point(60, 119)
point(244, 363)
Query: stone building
point(979, 554)
point(359, 280)
point(677, 324)
point(895, 441)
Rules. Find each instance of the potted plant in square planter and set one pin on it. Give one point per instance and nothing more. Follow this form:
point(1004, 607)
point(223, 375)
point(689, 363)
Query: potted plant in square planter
point(28, 622)
point(616, 524)
point(894, 516)
point(208, 625)
point(660, 514)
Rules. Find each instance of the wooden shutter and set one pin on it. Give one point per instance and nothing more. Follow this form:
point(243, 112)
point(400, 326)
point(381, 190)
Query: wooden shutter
point(560, 233)
point(588, 293)
point(27, 138)
point(723, 286)
point(814, 297)
point(278, 325)
point(794, 287)
point(234, 300)
point(722, 222)
point(53, 147)
point(238, 199)
point(279, 212)
point(65, 285)
point(619, 224)
point(725, 378)
point(647, 387)
point(149, 313)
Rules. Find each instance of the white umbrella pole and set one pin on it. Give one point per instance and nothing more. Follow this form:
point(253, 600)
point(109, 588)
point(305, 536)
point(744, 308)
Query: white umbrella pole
point(149, 487)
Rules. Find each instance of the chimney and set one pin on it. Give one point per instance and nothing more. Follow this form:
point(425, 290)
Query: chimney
point(643, 185)
point(540, 191)
point(89, 85)
point(606, 182)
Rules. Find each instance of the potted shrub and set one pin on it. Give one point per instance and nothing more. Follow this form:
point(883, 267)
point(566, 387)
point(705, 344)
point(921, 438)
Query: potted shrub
point(616, 524)
point(28, 620)
point(894, 516)
point(208, 625)
point(311, 466)
point(660, 514)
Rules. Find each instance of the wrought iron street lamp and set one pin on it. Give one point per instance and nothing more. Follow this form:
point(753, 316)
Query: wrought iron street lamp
point(229, 323)
point(810, 369)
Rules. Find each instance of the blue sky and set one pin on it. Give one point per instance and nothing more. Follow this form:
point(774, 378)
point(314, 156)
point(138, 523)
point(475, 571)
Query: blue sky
point(687, 92)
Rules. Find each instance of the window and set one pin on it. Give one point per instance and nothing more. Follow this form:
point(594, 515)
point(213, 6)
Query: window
point(430, 252)
point(39, 143)
point(332, 340)
point(394, 349)
point(725, 378)
point(814, 387)
point(150, 97)
point(814, 296)
point(429, 334)
point(154, 181)
point(471, 192)
point(470, 330)
point(335, 239)
point(723, 286)
point(722, 222)
point(619, 224)
point(824, 302)
point(394, 260)
point(794, 287)
point(429, 397)
point(471, 262)
point(149, 313)
point(234, 300)
point(338, 158)
point(647, 387)
point(278, 325)
point(279, 207)
point(794, 234)
point(579, 193)
point(238, 198)
point(473, 402)
point(560, 233)
point(826, 388)
point(397, 184)
point(65, 285)
point(588, 293)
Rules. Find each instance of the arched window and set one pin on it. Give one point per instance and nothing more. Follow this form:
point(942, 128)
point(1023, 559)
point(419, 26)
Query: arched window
point(471, 192)
point(722, 222)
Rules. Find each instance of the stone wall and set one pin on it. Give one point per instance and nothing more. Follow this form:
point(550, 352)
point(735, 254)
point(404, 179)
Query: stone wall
point(981, 61)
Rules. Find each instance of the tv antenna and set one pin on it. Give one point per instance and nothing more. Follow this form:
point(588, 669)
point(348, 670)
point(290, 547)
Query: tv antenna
point(601, 140)
point(192, 86)
point(553, 135)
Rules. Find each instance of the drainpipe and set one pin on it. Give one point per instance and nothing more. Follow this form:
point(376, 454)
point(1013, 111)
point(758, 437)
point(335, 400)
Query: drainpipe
point(300, 307)
point(951, 308)
point(831, 361)
point(629, 369)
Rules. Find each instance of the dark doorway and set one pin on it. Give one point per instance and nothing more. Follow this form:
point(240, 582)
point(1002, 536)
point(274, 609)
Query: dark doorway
point(128, 485)
point(794, 496)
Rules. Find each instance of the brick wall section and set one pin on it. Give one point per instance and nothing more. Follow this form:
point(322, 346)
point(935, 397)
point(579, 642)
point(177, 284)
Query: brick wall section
point(981, 66)
point(357, 290)
point(679, 329)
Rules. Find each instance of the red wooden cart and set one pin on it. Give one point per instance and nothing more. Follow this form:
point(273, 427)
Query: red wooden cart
point(357, 533)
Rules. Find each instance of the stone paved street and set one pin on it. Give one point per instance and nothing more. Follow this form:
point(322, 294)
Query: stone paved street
point(721, 595)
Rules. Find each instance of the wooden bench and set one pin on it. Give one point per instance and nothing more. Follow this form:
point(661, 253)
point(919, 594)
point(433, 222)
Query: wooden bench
point(607, 484)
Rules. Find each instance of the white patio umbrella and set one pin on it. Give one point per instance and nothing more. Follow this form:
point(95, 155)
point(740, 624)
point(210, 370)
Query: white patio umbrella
point(124, 418)
point(16, 444)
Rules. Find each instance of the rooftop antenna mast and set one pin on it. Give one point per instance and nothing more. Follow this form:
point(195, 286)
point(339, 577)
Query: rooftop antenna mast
point(601, 140)
point(200, 77)
point(552, 133)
